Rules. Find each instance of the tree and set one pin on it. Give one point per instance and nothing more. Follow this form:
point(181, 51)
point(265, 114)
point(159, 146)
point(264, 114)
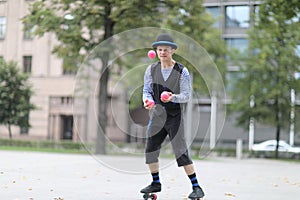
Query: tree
point(15, 93)
point(81, 25)
point(269, 70)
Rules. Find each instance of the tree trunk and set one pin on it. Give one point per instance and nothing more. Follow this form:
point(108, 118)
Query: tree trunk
point(278, 126)
point(277, 140)
point(102, 104)
point(9, 131)
point(103, 84)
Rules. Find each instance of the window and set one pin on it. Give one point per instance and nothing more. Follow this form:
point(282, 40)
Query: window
point(237, 48)
point(237, 16)
point(2, 27)
point(240, 44)
point(28, 31)
point(27, 64)
point(256, 14)
point(232, 78)
point(66, 100)
point(69, 72)
point(215, 12)
point(66, 127)
point(58, 101)
point(69, 66)
point(24, 128)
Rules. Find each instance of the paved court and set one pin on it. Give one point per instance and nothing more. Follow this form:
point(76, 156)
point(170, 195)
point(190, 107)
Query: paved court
point(46, 176)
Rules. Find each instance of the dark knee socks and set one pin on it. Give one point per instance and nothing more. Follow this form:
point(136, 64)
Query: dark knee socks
point(155, 177)
point(194, 180)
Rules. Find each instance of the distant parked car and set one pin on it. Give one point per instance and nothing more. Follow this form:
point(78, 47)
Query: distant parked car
point(270, 146)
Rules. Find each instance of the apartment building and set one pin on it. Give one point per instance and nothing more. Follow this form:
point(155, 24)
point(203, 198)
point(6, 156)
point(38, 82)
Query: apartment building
point(52, 85)
point(233, 19)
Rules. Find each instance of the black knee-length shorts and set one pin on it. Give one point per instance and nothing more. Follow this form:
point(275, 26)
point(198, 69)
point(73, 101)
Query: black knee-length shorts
point(160, 126)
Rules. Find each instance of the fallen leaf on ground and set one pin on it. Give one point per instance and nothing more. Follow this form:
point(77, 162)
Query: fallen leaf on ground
point(230, 194)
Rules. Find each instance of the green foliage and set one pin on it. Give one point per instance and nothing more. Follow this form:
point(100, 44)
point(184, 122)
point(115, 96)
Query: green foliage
point(82, 25)
point(15, 93)
point(269, 70)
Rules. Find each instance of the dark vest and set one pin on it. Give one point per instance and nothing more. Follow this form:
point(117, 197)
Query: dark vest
point(172, 84)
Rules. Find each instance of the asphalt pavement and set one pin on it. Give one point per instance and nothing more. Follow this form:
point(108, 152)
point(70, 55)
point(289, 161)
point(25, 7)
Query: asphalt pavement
point(55, 176)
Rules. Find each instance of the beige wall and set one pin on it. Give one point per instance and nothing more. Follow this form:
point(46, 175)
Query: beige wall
point(48, 81)
point(46, 75)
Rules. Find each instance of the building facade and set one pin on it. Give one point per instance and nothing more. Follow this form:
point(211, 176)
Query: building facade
point(53, 88)
point(233, 19)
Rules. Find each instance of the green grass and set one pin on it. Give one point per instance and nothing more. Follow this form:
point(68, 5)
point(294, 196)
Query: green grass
point(47, 150)
point(43, 146)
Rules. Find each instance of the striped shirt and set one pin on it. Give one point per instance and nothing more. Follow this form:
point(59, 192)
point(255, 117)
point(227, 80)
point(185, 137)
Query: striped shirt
point(185, 85)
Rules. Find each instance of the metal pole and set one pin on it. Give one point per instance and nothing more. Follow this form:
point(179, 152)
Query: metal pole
point(239, 149)
point(189, 117)
point(292, 116)
point(251, 124)
point(213, 121)
point(251, 133)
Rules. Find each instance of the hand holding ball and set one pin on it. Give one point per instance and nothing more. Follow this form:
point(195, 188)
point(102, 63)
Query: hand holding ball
point(151, 54)
point(164, 96)
point(149, 103)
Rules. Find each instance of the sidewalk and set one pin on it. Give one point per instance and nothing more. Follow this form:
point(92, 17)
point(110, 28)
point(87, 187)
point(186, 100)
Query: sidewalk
point(44, 176)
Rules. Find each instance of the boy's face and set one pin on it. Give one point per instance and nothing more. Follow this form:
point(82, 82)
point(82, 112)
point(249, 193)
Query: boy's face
point(164, 52)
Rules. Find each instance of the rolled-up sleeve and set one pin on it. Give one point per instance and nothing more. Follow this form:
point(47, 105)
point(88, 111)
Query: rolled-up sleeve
point(147, 89)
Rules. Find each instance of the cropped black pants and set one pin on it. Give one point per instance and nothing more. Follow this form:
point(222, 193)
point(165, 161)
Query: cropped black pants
point(159, 127)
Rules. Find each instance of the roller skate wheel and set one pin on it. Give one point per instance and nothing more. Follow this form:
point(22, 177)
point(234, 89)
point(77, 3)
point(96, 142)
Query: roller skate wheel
point(153, 196)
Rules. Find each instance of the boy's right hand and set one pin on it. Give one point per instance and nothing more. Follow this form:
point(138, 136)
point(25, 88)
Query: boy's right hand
point(149, 104)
